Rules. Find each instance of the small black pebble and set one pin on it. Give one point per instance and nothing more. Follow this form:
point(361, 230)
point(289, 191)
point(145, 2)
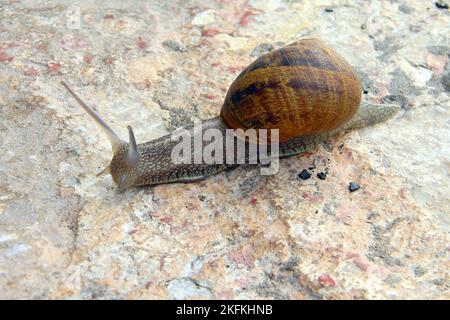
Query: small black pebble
point(366, 91)
point(328, 10)
point(353, 186)
point(441, 5)
point(304, 174)
point(321, 176)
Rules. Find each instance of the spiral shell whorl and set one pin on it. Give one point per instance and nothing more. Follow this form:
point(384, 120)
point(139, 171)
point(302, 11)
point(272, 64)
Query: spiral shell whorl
point(301, 89)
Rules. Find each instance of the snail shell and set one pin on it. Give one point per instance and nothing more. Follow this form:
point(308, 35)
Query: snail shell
point(301, 89)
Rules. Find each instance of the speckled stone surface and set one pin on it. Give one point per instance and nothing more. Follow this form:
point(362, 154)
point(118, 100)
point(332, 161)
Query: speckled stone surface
point(158, 65)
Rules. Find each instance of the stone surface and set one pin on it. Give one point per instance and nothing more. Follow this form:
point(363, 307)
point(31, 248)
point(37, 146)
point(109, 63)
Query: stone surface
point(66, 234)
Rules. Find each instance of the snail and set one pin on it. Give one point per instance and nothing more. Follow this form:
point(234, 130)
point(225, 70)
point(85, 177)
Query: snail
point(305, 90)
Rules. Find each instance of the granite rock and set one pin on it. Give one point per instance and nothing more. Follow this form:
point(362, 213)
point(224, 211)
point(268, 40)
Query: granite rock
point(66, 234)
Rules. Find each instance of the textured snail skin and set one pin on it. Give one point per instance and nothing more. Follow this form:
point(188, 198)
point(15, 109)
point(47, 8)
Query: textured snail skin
point(155, 165)
point(305, 90)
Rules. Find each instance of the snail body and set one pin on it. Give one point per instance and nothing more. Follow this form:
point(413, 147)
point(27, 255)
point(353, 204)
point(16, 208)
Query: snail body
point(305, 90)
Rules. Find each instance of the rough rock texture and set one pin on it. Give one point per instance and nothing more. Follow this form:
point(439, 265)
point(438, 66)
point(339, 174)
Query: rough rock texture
point(159, 65)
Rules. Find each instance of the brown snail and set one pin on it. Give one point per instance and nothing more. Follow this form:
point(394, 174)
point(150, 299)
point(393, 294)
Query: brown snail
point(305, 89)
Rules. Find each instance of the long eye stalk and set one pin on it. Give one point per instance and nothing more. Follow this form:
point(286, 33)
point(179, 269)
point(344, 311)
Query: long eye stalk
point(132, 155)
point(112, 136)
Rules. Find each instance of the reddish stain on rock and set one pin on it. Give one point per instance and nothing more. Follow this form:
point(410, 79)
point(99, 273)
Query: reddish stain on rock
point(177, 229)
point(246, 18)
point(326, 281)
point(153, 213)
point(32, 72)
point(88, 58)
point(4, 57)
point(108, 60)
point(73, 43)
point(53, 67)
point(382, 88)
point(224, 295)
point(141, 43)
point(368, 193)
point(108, 16)
point(254, 201)
point(148, 284)
point(348, 154)
point(210, 32)
point(361, 264)
point(8, 45)
point(358, 261)
point(313, 197)
point(335, 253)
point(436, 63)
point(234, 69)
point(351, 255)
point(403, 192)
point(130, 233)
point(215, 64)
point(244, 256)
point(162, 261)
point(166, 220)
point(378, 271)
point(42, 47)
point(209, 96)
point(344, 214)
point(203, 43)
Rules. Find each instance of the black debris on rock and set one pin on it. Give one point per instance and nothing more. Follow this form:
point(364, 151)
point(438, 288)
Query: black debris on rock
point(322, 175)
point(328, 10)
point(353, 186)
point(441, 5)
point(304, 175)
